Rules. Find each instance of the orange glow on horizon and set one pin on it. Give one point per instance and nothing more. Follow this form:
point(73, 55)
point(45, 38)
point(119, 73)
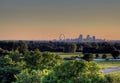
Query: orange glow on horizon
point(46, 20)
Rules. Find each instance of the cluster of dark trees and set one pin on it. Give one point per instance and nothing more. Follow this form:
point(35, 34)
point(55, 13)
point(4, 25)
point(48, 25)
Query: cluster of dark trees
point(103, 47)
point(93, 48)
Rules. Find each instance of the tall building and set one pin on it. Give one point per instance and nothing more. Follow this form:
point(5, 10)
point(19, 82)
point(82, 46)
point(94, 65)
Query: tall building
point(88, 37)
point(94, 38)
point(80, 37)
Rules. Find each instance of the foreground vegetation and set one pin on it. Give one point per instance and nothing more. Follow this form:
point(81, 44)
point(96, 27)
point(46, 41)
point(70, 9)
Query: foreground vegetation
point(113, 77)
point(45, 67)
point(22, 62)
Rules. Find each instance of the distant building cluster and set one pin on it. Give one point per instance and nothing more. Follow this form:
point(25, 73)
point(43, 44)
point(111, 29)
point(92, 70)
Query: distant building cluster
point(81, 39)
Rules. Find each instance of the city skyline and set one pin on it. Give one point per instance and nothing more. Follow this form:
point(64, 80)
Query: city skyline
point(80, 38)
point(47, 19)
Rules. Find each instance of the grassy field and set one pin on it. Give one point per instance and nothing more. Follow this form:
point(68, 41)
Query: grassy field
point(103, 64)
point(69, 55)
point(108, 64)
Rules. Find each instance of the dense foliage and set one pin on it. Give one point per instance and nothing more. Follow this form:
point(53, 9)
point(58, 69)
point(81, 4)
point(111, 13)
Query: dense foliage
point(113, 77)
point(115, 53)
point(8, 69)
point(25, 62)
point(76, 72)
point(33, 76)
point(94, 47)
point(15, 65)
point(88, 57)
point(38, 60)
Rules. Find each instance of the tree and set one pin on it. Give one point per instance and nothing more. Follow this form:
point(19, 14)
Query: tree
point(32, 59)
point(104, 56)
point(70, 47)
point(33, 76)
point(75, 72)
point(97, 56)
point(16, 56)
point(22, 47)
point(3, 52)
point(7, 69)
point(88, 57)
point(49, 61)
point(115, 54)
point(38, 60)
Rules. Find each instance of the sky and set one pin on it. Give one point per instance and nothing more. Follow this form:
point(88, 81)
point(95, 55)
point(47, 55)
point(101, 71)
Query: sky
point(47, 19)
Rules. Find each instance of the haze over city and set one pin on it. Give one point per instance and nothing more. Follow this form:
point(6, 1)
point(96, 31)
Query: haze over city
point(47, 19)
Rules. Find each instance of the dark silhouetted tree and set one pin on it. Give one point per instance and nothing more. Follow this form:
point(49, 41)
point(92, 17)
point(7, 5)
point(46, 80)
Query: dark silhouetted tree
point(22, 47)
point(97, 56)
point(88, 57)
point(115, 53)
point(70, 47)
point(104, 56)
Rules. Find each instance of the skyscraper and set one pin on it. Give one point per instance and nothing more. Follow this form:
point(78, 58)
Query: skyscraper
point(80, 37)
point(88, 37)
point(94, 38)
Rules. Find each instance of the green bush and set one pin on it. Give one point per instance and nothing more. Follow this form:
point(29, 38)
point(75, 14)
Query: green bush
point(113, 77)
point(104, 56)
point(38, 60)
point(88, 57)
point(115, 53)
point(76, 72)
point(27, 76)
point(7, 69)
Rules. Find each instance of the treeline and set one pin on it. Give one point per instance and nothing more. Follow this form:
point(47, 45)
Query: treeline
point(104, 47)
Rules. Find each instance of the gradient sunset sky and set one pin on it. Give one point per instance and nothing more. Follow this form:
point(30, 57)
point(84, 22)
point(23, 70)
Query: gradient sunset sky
point(47, 19)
